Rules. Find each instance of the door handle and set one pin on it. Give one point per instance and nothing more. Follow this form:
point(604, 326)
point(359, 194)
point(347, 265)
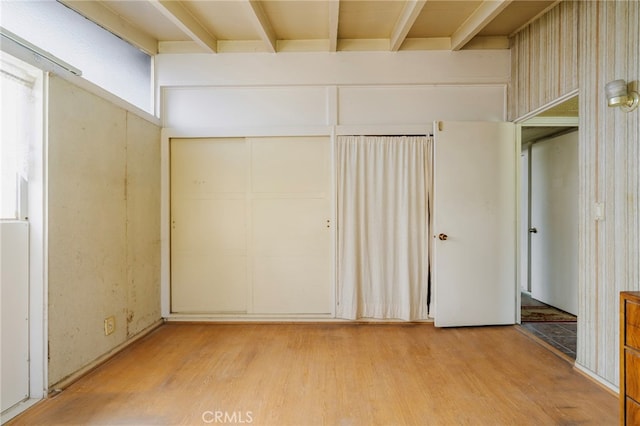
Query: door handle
point(442, 237)
point(533, 230)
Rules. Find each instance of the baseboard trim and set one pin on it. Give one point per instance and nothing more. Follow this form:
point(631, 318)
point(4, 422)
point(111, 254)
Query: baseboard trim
point(280, 319)
point(604, 384)
point(16, 410)
point(609, 387)
point(64, 383)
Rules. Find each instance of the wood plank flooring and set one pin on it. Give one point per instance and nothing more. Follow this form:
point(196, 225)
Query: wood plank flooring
point(330, 374)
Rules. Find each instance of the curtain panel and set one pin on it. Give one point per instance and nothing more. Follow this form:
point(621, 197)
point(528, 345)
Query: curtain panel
point(384, 188)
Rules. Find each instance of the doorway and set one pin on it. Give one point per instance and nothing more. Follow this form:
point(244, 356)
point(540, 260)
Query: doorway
point(549, 231)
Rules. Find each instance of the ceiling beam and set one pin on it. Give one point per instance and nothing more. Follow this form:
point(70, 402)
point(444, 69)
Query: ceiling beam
point(176, 13)
point(114, 23)
point(334, 15)
point(262, 24)
point(477, 21)
point(410, 13)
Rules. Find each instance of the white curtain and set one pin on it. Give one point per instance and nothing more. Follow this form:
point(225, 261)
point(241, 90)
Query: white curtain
point(384, 186)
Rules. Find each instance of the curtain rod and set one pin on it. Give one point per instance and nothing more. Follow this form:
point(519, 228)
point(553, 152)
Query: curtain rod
point(393, 136)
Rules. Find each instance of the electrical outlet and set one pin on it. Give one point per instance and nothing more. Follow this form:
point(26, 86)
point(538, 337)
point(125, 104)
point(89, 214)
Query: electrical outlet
point(109, 325)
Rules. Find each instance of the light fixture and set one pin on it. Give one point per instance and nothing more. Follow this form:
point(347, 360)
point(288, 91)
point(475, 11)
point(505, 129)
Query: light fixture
point(618, 95)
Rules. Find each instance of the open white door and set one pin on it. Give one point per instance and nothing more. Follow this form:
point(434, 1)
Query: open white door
point(474, 224)
point(554, 213)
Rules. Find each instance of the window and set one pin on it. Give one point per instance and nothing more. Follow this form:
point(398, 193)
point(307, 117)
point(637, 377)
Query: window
point(19, 115)
point(104, 59)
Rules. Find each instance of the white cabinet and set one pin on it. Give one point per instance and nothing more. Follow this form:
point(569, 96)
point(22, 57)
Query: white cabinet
point(14, 286)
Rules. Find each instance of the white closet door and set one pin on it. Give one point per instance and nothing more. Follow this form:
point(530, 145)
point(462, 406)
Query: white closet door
point(250, 231)
point(291, 212)
point(209, 225)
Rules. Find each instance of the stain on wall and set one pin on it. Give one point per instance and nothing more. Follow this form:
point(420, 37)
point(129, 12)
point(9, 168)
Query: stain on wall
point(103, 226)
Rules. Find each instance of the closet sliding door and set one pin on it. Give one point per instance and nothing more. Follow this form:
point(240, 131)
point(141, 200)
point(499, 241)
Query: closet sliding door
point(251, 229)
point(209, 225)
point(291, 213)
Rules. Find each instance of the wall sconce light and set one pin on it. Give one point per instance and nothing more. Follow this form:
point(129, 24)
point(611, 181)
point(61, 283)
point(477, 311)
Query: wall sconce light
point(618, 95)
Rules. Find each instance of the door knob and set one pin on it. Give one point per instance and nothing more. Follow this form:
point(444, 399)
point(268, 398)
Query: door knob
point(442, 237)
point(533, 230)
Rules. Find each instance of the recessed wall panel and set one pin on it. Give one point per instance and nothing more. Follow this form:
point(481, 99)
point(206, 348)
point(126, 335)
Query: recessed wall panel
point(227, 107)
point(420, 104)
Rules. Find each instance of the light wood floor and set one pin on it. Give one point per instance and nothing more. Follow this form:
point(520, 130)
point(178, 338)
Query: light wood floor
point(333, 374)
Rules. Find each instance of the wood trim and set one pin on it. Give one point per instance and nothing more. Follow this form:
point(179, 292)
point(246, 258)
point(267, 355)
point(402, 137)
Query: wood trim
point(622, 393)
point(410, 13)
point(334, 16)
point(629, 355)
point(597, 380)
point(484, 14)
point(262, 25)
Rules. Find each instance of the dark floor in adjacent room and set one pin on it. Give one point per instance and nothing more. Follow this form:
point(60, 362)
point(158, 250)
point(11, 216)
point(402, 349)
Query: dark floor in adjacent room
point(560, 335)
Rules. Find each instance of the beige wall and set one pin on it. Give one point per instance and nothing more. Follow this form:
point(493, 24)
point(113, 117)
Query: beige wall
point(607, 46)
point(103, 226)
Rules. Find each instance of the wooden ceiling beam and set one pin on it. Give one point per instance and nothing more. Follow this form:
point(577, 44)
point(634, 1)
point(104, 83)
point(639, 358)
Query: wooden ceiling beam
point(262, 24)
point(410, 13)
point(482, 16)
point(334, 16)
point(175, 11)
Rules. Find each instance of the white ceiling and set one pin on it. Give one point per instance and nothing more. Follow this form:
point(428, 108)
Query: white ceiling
point(219, 26)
